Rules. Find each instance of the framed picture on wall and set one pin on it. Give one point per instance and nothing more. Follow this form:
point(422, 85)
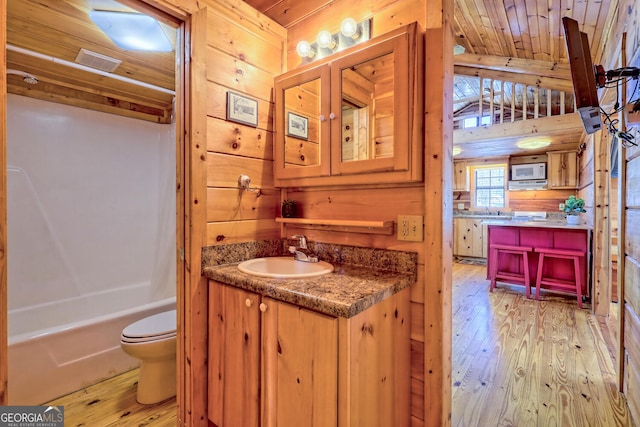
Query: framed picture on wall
point(242, 109)
point(297, 126)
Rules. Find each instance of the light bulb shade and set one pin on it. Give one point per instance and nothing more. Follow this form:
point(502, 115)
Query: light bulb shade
point(325, 40)
point(349, 28)
point(132, 31)
point(303, 49)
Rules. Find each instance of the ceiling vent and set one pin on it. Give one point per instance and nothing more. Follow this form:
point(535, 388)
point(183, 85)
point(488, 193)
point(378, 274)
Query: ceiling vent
point(97, 61)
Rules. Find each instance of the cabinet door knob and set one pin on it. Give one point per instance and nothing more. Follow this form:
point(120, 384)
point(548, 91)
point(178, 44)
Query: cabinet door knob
point(263, 307)
point(248, 302)
point(322, 118)
point(332, 116)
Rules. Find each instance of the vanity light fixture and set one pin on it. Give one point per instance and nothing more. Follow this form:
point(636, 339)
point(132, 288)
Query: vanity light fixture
point(349, 28)
point(351, 32)
point(304, 49)
point(325, 40)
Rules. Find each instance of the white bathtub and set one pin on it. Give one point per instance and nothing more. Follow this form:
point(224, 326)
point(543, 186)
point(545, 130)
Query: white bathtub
point(53, 361)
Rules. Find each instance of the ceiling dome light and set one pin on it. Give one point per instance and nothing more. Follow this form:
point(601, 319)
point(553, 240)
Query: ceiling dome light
point(349, 28)
point(303, 49)
point(325, 40)
point(132, 31)
point(533, 144)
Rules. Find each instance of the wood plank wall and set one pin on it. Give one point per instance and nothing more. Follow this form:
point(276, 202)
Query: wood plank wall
point(244, 54)
point(626, 18)
point(3, 209)
point(629, 13)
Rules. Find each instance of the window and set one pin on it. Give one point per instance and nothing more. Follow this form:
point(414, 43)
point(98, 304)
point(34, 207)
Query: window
point(489, 186)
point(472, 122)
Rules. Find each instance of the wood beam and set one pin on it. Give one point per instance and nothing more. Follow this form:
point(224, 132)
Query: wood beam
point(569, 124)
point(528, 79)
point(438, 224)
point(4, 397)
point(515, 65)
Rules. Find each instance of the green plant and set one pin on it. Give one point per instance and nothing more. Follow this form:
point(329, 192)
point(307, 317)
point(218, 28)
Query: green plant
point(573, 206)
point(289, 208)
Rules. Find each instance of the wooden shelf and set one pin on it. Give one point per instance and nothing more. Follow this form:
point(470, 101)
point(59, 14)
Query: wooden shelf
point(345, 225)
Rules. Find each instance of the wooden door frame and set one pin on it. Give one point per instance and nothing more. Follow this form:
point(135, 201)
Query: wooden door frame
point(190, 204)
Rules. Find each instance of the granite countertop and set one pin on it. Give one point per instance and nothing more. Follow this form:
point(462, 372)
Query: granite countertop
point(539, 224)
point(361, 278)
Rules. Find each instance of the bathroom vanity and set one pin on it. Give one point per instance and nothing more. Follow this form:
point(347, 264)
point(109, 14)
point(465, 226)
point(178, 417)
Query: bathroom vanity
point(332, 350)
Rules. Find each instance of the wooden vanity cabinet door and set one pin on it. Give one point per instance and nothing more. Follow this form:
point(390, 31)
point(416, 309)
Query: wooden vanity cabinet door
point(300, 366)
point(234, 356)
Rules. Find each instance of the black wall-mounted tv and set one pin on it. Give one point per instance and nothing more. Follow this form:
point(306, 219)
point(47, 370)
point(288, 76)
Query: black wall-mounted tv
point(583, 75)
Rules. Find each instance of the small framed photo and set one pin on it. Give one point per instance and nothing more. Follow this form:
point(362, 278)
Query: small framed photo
point(297, 126)
point(242, 109)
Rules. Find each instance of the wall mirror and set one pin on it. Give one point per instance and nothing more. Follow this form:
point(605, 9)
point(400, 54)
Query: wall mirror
point(302, 127)
point(367, 109)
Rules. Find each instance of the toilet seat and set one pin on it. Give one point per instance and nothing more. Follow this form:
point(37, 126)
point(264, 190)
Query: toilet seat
point(153, 328)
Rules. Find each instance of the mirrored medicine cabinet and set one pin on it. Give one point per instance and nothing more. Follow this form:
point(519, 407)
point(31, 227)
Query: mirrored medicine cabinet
point(356, 113)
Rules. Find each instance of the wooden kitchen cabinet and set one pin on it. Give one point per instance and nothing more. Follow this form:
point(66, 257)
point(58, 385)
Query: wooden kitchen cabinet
point(272, 363)
point(469, 237)
point(354, 113)
point(562, 170)
point(460, 176)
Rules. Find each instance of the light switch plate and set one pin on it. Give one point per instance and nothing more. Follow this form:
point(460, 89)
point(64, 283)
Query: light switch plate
point(411, 228)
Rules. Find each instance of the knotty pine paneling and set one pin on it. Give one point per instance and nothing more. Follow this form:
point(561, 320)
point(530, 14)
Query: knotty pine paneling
point(239, 140)
point(632, 236)
point(386, 15)
point(217, 107)
point(244, 54)
point(222, 233)
point(632, 283)
point(261, 49)
point(632, 365)
point(223, 171)
point(239, 76)
point(633, 178)
point(224, 204)
point(543, 200)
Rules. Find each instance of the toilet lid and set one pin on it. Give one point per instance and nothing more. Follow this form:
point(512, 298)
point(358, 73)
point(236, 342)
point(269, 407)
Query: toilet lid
point(157, 325)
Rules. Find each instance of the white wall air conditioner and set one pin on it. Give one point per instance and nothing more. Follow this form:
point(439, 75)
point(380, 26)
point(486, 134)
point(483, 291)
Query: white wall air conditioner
point(531, 184)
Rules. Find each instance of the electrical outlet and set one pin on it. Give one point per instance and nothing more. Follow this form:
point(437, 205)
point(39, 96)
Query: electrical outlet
point(411, 228)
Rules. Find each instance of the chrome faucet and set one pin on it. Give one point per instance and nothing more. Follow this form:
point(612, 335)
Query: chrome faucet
point(301, 252)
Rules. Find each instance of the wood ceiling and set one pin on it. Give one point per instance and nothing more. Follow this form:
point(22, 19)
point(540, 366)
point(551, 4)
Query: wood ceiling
point(520, 40)
point(43, 35)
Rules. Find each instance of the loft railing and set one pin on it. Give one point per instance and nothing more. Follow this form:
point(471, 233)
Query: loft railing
point(501, 101)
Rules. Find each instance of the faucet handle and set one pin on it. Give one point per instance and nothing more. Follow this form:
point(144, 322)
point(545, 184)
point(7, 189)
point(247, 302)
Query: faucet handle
point(302, 240)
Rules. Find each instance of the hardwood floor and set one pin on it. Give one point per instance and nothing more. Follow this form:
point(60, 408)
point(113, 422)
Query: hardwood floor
point(516, 362)
point(519, 362)
point(113, 403)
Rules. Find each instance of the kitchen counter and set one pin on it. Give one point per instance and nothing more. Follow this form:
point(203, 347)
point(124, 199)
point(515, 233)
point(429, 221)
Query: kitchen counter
point(540, 224)
point(354, 285)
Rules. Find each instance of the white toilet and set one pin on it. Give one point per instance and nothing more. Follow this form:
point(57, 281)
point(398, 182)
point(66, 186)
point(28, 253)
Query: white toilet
point(152, 340)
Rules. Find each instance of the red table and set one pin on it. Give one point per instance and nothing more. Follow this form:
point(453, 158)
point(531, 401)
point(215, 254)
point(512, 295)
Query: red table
point(556, 235)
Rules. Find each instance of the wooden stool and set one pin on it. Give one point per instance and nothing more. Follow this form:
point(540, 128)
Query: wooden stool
point(509, 276)
point(562, 284)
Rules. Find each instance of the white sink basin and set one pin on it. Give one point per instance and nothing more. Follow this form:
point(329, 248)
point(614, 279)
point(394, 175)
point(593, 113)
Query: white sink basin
point(284, 268)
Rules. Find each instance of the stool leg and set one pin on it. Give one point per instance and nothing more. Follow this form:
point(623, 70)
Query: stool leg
point(527, 279)
point(576, 269)
point(539, 275)
point(493, 272)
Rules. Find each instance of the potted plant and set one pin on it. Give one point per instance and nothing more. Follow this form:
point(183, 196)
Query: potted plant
point(573, 207)
point(289, 208)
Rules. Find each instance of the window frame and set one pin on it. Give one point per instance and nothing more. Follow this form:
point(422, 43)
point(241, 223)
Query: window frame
point(473, 186)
